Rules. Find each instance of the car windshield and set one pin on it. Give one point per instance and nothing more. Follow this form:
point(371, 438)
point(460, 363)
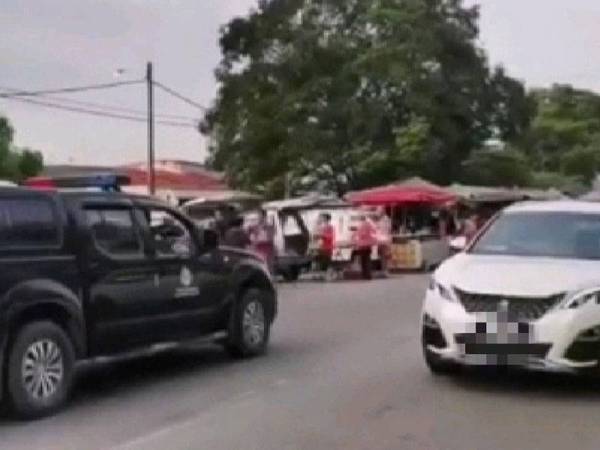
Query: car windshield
point(542, 234)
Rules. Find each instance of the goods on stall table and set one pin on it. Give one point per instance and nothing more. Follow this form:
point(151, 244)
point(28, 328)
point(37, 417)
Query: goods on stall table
point(406, 255)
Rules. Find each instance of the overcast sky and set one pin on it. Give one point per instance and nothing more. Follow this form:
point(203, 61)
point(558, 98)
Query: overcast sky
point(55, 43)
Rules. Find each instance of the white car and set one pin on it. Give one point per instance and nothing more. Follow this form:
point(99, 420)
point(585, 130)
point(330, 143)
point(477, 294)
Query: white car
point(525, 292)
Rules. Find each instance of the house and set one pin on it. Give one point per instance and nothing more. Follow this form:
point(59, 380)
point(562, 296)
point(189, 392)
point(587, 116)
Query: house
point(175, 180)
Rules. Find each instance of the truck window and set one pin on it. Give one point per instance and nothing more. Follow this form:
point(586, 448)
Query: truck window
point(113, 231)
point(28, 223)
point(171, 237)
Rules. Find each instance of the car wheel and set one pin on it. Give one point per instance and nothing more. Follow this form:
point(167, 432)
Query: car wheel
point(40, 370)
point(437, 365)
point(250, 325)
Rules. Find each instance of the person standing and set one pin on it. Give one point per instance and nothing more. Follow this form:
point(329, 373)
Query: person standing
point(384, 232)
point(236, 236)
point(364, 238)
point(220, 223)
point(262, 237)
point(471, 227)
point(325, 235)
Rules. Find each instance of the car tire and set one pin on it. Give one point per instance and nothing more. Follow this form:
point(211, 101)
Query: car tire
point(40, 370)
point(250, 325)
point(437, 365)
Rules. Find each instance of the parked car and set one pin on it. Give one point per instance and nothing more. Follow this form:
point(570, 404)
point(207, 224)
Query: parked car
point(525, 292)
point(84, 275)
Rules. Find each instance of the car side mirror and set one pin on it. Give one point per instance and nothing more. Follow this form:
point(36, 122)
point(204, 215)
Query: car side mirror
point(458, 244)
point(210, 239)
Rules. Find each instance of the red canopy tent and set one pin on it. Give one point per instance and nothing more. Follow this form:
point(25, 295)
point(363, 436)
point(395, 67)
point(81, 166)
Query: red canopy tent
point(411, 191)
point(417, 243)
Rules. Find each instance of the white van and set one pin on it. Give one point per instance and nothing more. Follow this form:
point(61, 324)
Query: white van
point(291, 240)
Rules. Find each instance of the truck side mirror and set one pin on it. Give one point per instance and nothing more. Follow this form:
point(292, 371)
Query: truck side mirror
point(210, 239)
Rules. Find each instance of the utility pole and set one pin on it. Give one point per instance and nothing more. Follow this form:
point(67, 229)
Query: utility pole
point(151, 174)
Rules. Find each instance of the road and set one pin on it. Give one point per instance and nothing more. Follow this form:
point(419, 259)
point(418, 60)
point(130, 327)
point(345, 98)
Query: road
point(344, 372)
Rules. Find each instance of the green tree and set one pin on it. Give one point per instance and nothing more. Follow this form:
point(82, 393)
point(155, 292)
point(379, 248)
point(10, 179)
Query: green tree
point(569, 184)
point(6, 137)
point(581, 162)
point(506, 167)
point(567, 120)
point(356, 92)
point(30, 163)
point(16, 164)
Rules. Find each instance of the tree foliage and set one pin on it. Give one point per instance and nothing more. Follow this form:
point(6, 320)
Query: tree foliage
point(16, 164)
point(569, 184)
point(567, 120)
point(357, 93)
point(581, 162)
point(507, 167)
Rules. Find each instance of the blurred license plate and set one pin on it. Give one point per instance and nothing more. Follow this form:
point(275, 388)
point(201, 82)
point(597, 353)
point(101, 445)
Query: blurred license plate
point(499, 343)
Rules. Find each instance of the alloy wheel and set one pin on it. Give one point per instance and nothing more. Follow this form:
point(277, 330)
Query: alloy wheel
point(253, 323)
point(42, 369)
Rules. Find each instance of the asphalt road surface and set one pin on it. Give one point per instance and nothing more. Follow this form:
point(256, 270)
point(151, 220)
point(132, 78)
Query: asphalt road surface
point(344, 372)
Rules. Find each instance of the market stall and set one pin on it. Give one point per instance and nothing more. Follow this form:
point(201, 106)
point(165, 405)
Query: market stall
point(417, 209)
point(487, 201)
point(592, 196)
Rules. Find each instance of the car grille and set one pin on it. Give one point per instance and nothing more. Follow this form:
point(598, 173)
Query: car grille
point(525, 308)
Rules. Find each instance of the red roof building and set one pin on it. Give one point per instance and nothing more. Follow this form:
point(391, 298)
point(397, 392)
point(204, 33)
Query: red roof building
point(175, 179)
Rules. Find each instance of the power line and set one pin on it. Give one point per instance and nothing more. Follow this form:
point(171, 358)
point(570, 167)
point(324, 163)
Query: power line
point(100, 113)
point(100, 106)
point(91, 87)
point(180, 96)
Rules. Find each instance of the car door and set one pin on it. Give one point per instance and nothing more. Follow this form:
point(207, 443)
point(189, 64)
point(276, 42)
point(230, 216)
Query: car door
point(190, 279)
point(123, 304)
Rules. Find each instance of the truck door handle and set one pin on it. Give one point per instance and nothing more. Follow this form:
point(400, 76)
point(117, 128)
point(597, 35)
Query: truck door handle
point(133, 278)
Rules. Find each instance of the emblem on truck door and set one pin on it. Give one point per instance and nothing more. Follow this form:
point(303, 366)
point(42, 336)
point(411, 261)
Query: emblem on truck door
point(186, 277)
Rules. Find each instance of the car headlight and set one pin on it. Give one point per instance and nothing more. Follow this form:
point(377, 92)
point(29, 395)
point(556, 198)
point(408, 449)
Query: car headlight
point(444, 292)
point(581, 298)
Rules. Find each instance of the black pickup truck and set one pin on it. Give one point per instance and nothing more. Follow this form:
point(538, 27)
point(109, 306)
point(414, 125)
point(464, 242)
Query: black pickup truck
point(84, 275)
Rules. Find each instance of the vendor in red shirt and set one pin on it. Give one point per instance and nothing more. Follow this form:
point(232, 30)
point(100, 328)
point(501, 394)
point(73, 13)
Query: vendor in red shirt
point(364, 238)
point(325, 233)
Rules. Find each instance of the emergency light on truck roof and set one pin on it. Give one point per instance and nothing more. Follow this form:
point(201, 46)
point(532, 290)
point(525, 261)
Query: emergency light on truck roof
point(106, 183)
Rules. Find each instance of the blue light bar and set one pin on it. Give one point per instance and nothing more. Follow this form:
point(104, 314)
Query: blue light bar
point(103, 182)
